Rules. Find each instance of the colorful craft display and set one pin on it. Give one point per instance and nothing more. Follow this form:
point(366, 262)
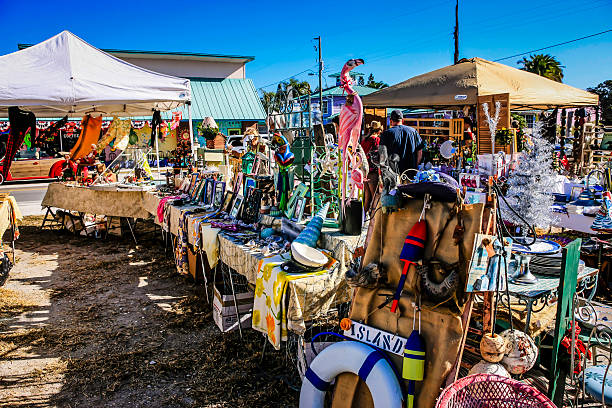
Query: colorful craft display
point(521, 353)
point(603, 219)
point(303, 248)
point(413, 368)
point(90, 133)
point(351, 116)
point(22, 122)
point(310, 235)
point(486, 367)
point(411, 253)
point(357, 358)
point(284, 158)
point(492, 348)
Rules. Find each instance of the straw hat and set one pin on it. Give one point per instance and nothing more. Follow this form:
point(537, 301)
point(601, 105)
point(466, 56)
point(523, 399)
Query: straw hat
point(375, 126)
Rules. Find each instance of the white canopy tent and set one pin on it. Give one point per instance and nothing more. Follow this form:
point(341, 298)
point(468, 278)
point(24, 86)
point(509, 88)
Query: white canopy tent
point(65, 75)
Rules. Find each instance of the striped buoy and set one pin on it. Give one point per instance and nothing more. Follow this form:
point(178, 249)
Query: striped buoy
point(412, 251)
point(413, 368)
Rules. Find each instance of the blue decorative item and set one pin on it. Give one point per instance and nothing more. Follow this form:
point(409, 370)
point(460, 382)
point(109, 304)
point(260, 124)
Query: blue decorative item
point(267, 232)
point(310, 235)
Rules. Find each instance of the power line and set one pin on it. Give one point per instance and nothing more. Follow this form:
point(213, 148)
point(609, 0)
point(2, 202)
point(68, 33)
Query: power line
point(292, 76)
point(551, 46)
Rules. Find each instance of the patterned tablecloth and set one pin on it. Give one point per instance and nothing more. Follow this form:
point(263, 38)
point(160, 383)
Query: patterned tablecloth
point(114, 203)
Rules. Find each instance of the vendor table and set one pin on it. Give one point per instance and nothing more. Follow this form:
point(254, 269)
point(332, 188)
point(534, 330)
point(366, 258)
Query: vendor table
point(309, 296)
point(115, 203)
point(575, 222)
point(537, 296)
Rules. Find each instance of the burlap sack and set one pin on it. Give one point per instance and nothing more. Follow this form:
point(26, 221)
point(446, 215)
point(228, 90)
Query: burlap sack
point(440, 324)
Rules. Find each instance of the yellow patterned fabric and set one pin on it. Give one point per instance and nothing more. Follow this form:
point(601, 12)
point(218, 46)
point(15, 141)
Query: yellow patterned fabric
point(271, 302)
point(9, 215)
point(118, 130)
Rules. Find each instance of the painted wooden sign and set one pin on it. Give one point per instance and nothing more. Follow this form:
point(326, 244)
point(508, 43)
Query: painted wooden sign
point(378, 338)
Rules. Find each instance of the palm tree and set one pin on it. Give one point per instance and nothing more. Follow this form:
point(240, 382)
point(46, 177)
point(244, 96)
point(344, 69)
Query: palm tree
point(544, 65)
point(303, 87)
point(375, 84)
point(267, 98)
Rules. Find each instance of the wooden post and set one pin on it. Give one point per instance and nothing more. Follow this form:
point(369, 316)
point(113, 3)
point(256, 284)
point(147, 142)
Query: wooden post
point(566, 291)
point(465, 321)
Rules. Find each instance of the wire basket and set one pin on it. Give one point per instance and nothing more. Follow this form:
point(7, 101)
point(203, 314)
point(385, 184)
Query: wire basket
point(488, 390)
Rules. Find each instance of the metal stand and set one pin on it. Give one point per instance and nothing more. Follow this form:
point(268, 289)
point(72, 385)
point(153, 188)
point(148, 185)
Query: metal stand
point(204, 275)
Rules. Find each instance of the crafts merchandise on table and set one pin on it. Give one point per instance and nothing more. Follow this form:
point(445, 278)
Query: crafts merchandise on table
point(271, 302)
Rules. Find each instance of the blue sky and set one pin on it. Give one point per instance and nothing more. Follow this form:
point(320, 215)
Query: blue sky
point(397, 39)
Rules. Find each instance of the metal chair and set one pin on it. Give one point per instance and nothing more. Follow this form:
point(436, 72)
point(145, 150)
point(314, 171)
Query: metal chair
point(596, 379)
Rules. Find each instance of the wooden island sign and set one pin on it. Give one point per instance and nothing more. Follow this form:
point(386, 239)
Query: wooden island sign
point(377, 338)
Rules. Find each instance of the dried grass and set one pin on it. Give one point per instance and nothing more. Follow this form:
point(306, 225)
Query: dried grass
point(118, 348)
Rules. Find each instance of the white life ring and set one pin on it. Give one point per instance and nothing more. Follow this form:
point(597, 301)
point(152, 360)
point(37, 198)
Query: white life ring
point(351, 357)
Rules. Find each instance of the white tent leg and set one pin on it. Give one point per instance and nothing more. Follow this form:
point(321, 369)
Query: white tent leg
point(194, 151)
point(157, 156)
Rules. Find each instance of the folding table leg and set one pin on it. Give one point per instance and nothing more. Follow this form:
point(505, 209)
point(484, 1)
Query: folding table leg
point(45, 219)
point(204, 275)
point(235, 303)
point(131, 230)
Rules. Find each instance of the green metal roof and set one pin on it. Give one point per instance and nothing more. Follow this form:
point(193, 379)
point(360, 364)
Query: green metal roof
point(224, 99)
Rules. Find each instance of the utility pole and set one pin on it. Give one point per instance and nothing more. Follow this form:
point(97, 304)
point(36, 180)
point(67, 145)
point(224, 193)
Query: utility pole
point(320, 80)
point(456, 35)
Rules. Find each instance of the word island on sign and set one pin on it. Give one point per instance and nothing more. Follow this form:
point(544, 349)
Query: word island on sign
point(376, 337)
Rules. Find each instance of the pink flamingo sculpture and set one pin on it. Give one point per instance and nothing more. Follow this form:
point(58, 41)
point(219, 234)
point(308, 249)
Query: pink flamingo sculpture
point(351, 116)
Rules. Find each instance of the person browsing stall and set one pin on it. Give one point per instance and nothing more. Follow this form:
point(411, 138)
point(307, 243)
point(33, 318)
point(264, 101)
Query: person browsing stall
point(369, 144)
point(403, 141)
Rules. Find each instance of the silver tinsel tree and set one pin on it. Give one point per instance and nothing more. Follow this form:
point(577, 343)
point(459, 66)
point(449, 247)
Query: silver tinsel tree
point(531, 183)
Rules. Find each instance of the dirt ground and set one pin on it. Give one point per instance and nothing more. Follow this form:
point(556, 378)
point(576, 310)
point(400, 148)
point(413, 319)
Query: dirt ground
point(92, 323)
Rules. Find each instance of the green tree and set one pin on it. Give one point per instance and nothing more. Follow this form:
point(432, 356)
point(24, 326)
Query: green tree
point(303, 87)
point(360, 81)
point(375, 84)
point(604, 90)
point(266, 99)
point(544, 65)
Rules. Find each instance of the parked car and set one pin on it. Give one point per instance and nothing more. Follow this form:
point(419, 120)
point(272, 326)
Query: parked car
point(30, 164)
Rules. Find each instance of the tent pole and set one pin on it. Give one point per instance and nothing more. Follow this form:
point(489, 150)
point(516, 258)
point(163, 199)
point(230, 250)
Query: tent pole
point(157, 155)
point(194, 152)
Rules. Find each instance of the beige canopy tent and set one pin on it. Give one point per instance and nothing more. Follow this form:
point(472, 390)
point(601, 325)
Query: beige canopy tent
point(461, 84)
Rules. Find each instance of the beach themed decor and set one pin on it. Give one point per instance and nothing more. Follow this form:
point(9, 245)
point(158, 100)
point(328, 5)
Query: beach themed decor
point(413, 368)
point(521, 353)
point(492, 347)
point(351, 357)
point(603, 219)
point(284, 158)
point(486, 367)
point(303, 248)
point(412, 251)
point(447, 149)
point(351, 116)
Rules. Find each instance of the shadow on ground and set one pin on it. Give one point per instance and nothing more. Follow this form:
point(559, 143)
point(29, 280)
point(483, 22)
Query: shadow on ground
point(91, 323)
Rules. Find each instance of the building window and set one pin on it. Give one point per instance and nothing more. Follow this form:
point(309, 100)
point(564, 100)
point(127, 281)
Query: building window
point(530, 121)
point(233, 132)
point(325, 107)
